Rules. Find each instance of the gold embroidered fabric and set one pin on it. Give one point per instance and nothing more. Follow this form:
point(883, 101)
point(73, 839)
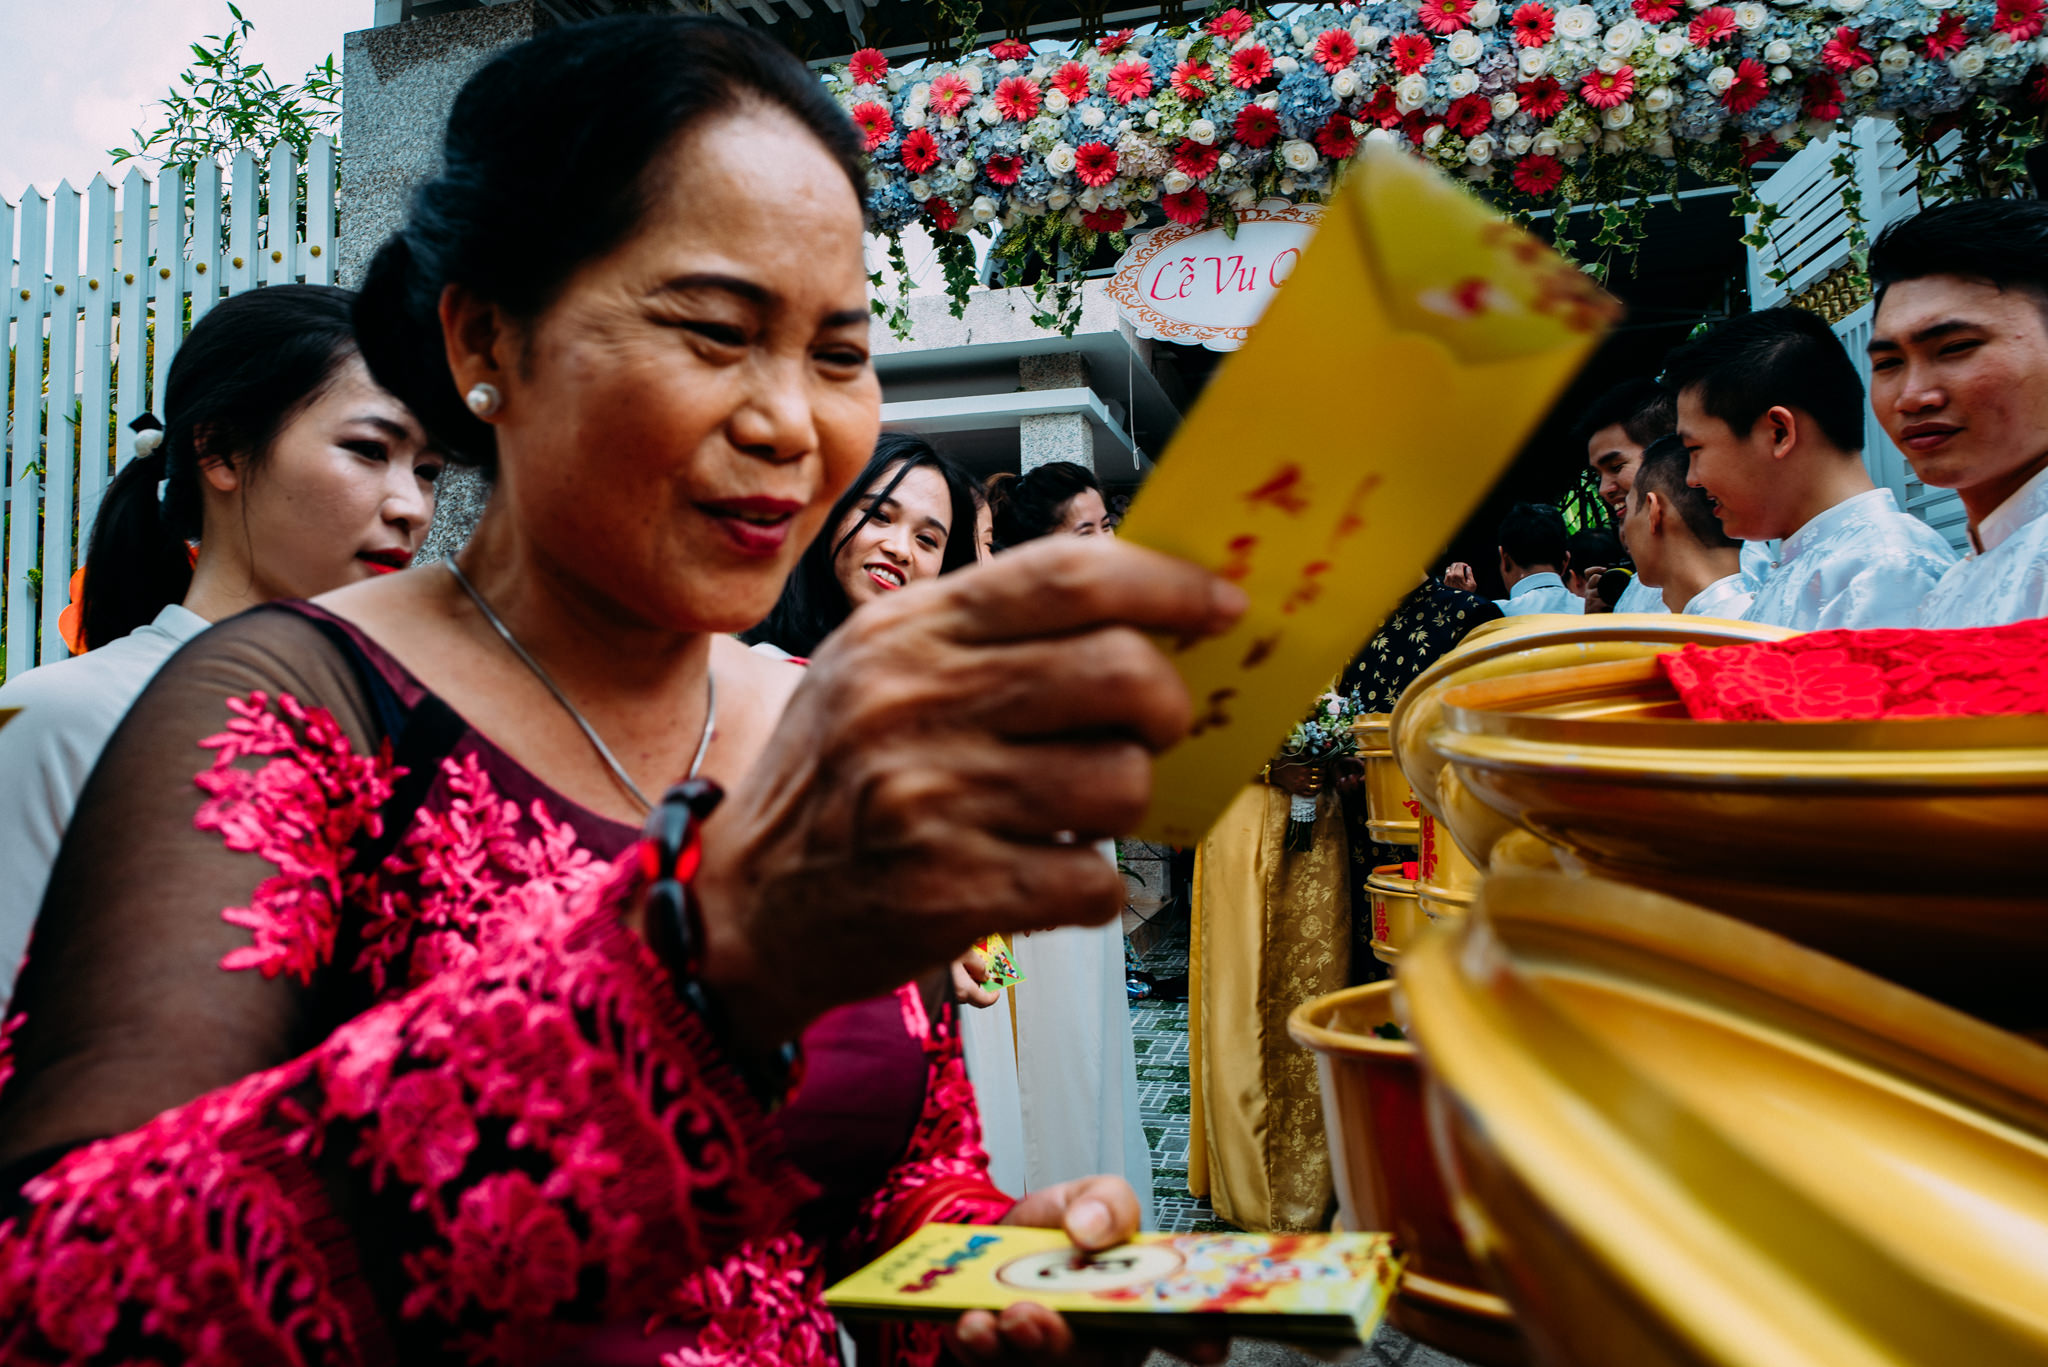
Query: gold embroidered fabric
point(1271, 930)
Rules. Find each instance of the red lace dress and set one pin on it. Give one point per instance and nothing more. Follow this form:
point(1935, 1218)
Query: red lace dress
point(446, 1105)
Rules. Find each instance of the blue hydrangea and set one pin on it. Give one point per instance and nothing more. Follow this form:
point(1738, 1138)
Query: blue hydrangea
point(891, 207)
point(1306, 102)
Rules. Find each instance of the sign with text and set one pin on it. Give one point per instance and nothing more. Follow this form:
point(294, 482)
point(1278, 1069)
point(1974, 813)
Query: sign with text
point(1421, 340)
point(1206, 287)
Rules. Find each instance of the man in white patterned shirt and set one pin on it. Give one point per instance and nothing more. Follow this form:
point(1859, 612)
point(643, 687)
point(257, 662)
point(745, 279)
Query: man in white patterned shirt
point(1959, 378)
point(1771, 408)
point(1677, 542)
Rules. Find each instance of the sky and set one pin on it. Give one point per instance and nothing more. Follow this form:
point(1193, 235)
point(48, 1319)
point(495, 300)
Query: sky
point(77, 75)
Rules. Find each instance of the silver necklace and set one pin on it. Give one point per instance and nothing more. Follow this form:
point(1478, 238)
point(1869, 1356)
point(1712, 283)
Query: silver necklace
point(625, 780)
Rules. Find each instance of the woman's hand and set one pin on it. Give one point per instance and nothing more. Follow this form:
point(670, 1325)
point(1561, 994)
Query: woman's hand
point(1097, 1213)
point(943, 771)
point(1460, 576)
point(970, 979)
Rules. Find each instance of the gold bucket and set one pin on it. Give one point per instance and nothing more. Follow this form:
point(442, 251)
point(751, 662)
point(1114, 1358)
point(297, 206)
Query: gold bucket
point(1396, 911)
point(1386, 1174)
point(1390, 805)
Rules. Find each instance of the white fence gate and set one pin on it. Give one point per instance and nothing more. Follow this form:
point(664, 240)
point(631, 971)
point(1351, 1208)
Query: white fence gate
point(1811, 243)
point(92, 324)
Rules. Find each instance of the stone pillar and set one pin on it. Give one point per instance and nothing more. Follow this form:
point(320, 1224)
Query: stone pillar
point(398, 84)
point(1048, 437)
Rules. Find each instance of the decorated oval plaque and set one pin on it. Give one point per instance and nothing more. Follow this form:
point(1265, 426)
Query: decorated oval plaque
point(1206, 287)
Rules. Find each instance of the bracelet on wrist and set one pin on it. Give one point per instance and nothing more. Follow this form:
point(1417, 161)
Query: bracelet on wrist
point(671, 849)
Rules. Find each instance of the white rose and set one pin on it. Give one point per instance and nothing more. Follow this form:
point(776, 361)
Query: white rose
point(1533, 61)
point(1608, 65)
point(1176, 182)
point(1345, 84)
point(1895, 59)
point(1463, 83)
point(914, 117)
point(1669, 44)
point(1662, 146)
point(1658, 100)
point(1572, 151)
point(987, 112)
point(964, 168)
point(1577, 23)
point(1966, 64)
point(1485, 14)
point(1465, 47)
point(1847, 6)
point(1864, 77)
point(1383, 137)
point(983, 209)
point(1505, 105)
point(1545, 144)
point(1300, 32)
point(1432, 135)
point(1370, 37)
point(1612, 143)
point(1750, 16)
point(1479, 150)
point(1287, 185)
point(1518, 144)
point(2001, 45)
point(1092, 116)
point(1621, 116)
point(1285, 66)
point(1624, 36)
point(1269, 100)
point(1225, 162)
point(1151, 118)
point(1937, 4)
point(1058, 199)
point(1244, 198)
point(1777, 52)
point(972, 75)
point(1297, 155)
point(1411, 92)
point(1720, 78)
point(1090, 199)
point(1060, 159)
point(1780, 75)
point(1202, 131)
point(920, 93)
point(1055, 102)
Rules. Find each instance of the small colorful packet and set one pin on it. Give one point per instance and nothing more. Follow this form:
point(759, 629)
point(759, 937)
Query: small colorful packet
point(1001, 964)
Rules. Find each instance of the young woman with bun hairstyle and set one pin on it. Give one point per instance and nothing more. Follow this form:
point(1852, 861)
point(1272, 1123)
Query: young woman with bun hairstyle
point(365, 1025)
point(289, 469)
point(910, 515)
point(1058, 497)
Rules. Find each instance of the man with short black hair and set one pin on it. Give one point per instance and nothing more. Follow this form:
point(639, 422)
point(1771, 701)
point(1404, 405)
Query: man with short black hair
point(1959, 379)
point(1677, 542)
point(1533, 560)
point(1771, 409)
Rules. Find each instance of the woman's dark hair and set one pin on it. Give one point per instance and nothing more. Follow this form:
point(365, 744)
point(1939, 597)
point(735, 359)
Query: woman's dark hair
point(1032, 504)
point(813, 604)
point(551, 158)
point(243, 372)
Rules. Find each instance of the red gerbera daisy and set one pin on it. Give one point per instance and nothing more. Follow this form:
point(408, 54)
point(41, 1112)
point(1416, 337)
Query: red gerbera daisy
point(1383, 108)
point(1113, 43)
point(1009, 50)
point(1411, 52)
point(1415, 124)
point(1752, 80)
point(1130, 79)
point(1606, 89)
point(1845, 51)
point(1193, 81)
point(1469, 115)
point(1195, 160)
point(1017, 97)
point(1823, 97)
point(1538, 175)
point(1103, 220)
point(1444, 16)
point(1337, 138)
point(1533, 25)
point(920, 151)
point(1948, 39)
point(1095, 163)
point(1250, 65)
point(1256, 125)
point(2037, 85)
point(1710, 26)
point(1189, 206)
point(2018, 19)
point(1003, 168)
point(1656, 11)
point(1542, 99)
point(1334, 49)
point(1759, 150)
point(1071, 81)
point(868, 66)
point(874, 123)
point(1230, 25)
point(943, 215)
point(950, 93)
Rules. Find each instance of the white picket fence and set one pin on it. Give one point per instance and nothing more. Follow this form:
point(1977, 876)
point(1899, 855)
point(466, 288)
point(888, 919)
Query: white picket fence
point(92, 322)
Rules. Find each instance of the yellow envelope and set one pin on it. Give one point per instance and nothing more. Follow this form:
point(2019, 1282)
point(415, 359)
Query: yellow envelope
point(1416, 346)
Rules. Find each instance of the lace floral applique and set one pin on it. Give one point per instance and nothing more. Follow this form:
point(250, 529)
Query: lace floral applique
point(302, 811)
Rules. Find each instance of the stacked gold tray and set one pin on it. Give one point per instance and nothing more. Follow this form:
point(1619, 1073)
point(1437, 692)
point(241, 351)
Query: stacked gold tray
point(1392, 814)
point(1674, 1138)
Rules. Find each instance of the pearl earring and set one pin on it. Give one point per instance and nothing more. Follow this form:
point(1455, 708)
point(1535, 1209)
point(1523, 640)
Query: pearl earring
point(483, 399)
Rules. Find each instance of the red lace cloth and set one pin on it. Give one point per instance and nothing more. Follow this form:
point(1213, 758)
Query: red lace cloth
point(1867, 675)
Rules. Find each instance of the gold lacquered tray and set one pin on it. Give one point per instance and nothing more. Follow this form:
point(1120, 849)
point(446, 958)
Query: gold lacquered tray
point(1392, 815)
point(1518, 645)
point(1915, 848)
point(1676, 1139)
